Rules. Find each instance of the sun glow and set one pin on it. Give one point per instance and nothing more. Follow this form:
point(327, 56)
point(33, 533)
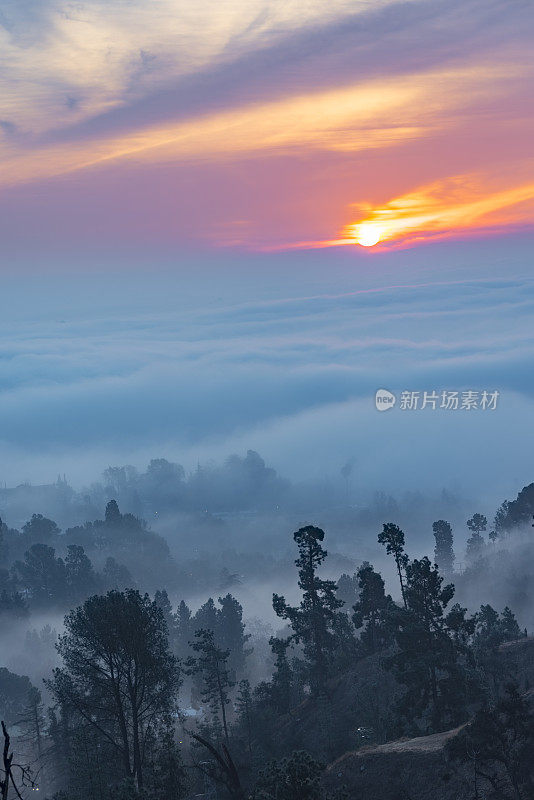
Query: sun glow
point(367, 234)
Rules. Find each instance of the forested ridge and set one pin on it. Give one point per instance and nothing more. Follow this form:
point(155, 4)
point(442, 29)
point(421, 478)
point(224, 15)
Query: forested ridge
point(111, 688)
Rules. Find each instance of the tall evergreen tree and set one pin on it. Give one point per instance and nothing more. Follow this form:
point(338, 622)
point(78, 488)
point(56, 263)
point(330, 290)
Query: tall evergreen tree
point(443, 551)
point(211, 664)
point(282, 681)
point(372, 611)
point(429, 656)
point(313, 620)
point(392, 537)
point(244, 710)
point(231, 633)
point(476, 543)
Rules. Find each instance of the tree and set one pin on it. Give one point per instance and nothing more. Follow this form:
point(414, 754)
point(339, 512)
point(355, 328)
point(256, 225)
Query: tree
point(477, 523)
point(184, 629)
point(39, 529)
point(13, 608)
point(211, 665)
point(372, 611)
point(117, 576)
point(244, 710)
point(282, 680)
point(501, 521)
point(393, 539)
point(492, 630)
point(509, 625)
point(166, 776)
point(112, 515)
point(118, 675)
point(443, 552)
point(296, 777)
point(8, 771)
point(161, 598)
point(313, 620)
point(42, 574)
point(428, 658)
point(206, 616)
point(80, 575)
point(231, 633)
point(32, 721)
point(476, 544)
point(347, 590)
point(14, 691)
point(4, 547)
point(500, 741)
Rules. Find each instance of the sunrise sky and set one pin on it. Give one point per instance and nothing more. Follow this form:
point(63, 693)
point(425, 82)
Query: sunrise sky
point(264, 123)
point(225, 224)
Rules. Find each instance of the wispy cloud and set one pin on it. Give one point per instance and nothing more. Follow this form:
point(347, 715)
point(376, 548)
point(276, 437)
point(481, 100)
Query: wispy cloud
point(367, 102)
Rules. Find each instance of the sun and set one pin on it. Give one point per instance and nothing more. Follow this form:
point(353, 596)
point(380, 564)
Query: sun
point(367, 234)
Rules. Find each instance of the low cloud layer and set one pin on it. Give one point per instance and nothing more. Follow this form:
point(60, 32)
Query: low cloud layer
point(286, 367)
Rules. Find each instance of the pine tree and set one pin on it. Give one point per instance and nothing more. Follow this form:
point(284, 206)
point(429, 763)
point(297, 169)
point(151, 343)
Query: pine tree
point(211, 664)
point(244, 710)
point(476, 543)
point(313, 620)
point(184, 630)
point(428, 660)
point(393, 539)
point(372, 611)
point(443, 552)
point(282, 680)
point(231, 633)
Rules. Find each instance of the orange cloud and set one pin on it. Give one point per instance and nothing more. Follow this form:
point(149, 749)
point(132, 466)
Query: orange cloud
point(460, 204)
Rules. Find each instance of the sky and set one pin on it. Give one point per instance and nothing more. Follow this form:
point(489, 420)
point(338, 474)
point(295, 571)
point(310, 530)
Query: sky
point(226, 225)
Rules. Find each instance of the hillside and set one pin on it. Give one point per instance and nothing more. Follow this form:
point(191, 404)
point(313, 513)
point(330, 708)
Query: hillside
point(418, 768)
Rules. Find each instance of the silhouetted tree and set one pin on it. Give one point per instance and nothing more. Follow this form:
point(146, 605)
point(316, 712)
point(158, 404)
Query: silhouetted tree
point(231, 633)
point(43, 575)
point(39, 529)
point(476, 544)
point(118, 675)
point(443, 551)
point(347, 590)
point(427, 660)
point(211, 664)
point(112, 515)
point(372, 611)
point(502, 739)
point(244, 710)
point(312, 621)
point(393, 539)
point(80, 575)
point(117, 576)
point(282, 680)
